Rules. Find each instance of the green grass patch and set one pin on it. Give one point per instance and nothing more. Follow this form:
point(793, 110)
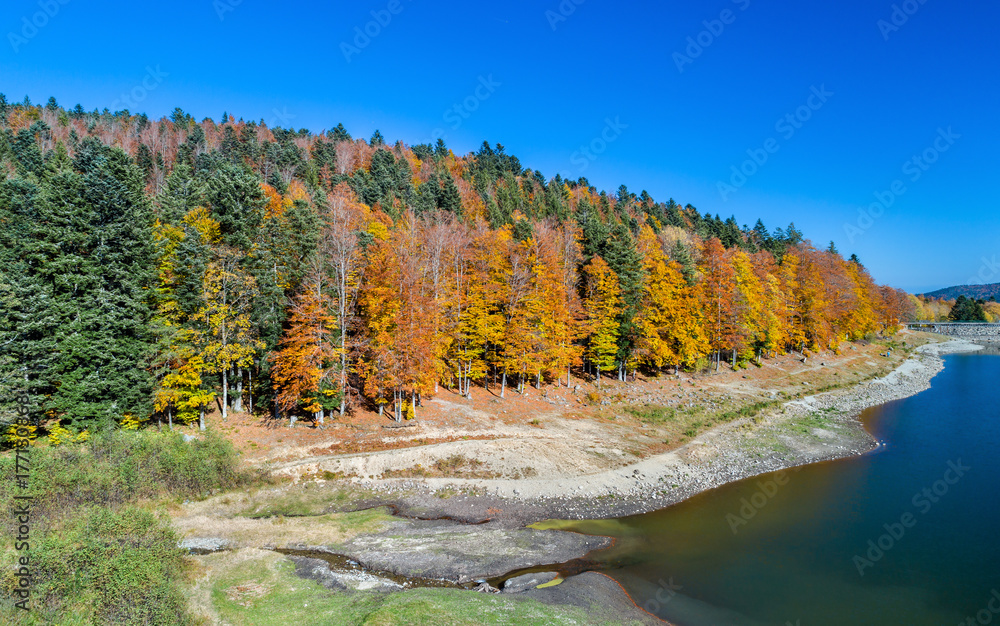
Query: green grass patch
point(750, 410)
point(98, 553)
point(652, 413)
point(805, 425)
point(262, 590)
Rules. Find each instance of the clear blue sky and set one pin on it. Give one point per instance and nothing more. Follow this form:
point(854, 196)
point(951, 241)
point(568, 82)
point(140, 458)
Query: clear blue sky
point(555, 82)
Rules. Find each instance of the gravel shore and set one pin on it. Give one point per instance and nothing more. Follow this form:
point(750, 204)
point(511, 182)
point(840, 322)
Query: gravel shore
point(806, 430)
point(734, 451)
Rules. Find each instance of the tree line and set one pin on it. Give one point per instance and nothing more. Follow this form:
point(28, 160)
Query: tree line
point(153, 269)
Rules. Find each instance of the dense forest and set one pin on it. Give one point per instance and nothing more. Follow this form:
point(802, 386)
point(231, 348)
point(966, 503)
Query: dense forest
point(961, 309)
point(153, 268)
point(977, 292)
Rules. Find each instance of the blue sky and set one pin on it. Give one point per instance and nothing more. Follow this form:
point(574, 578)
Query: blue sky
point(616, 92)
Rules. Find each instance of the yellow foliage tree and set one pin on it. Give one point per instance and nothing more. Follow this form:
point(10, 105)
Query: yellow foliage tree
point(602, 304)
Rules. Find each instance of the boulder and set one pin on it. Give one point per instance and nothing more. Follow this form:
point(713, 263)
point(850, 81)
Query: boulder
point(204, 545)
point(525, 582)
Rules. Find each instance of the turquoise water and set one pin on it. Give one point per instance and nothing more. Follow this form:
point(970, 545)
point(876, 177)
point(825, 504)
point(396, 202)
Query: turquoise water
point(904, 535)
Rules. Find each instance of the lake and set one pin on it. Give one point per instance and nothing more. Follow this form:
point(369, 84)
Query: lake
point(904, 535)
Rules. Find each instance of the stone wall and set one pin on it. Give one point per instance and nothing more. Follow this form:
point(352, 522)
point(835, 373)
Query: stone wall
point(970, 330)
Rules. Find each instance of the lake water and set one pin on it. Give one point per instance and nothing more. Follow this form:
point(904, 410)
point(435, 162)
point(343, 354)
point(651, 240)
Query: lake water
point(905, 535)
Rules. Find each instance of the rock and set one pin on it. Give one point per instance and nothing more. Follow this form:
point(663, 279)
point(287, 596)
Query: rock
point(186, 437)
point(204, 545)
point(358, 580)
point(602, 598)
point(485, 587)
point(459, 553)
point(528, 581)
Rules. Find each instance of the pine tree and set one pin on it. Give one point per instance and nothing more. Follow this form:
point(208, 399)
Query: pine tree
point(448, 197)
point(83, 326)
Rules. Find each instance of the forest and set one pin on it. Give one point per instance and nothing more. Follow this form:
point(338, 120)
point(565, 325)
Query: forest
point(153, 269)
point(960, 309)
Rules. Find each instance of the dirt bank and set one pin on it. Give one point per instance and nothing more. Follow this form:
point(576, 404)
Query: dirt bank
point(805, 430)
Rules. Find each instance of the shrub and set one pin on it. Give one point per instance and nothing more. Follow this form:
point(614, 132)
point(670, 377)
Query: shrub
point(96, 557)
point(108, 566)
point(117, 467)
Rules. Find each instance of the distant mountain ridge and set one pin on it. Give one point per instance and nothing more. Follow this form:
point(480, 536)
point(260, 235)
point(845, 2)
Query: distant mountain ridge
point(979, 292)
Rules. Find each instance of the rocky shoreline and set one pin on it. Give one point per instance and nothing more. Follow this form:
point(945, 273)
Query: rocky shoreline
point(734, 451)
point(463, 532)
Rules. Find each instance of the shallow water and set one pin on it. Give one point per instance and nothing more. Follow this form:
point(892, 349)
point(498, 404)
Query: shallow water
point(854, 541)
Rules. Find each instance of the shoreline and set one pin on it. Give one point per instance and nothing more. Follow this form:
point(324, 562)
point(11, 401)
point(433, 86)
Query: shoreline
point(460, 529)
point(741, 449)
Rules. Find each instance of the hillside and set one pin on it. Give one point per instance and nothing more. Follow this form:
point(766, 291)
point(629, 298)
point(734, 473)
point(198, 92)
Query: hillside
point(153, 269)
point(977, 292)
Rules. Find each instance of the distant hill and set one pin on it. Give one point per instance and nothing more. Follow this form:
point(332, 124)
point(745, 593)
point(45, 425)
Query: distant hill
point(979, 292)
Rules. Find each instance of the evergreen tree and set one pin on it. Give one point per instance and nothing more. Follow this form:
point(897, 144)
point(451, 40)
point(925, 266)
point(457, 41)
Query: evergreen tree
point(83, 327)
point(967, 310)
point(683, 256)
point(237, 203)
point(626, 262)
point(449, 199)
point(340, 134)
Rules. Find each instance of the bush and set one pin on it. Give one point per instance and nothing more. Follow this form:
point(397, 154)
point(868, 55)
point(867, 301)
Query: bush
point(117, 467)
point(108, 566)
point(96, 557)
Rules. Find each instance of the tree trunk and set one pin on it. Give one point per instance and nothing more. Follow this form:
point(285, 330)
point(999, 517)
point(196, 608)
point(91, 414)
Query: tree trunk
point(239, 390)
point(170, 418)
point(318, 416)
point(413, 405)
point(567, 377)
point(291, 420)
point(538, 380)
point(250, 389)
point(225, 393)
point(503, 383)
point(201, 417)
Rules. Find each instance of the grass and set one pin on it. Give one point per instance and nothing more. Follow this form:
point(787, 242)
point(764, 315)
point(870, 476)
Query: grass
point(456, 465)
point(750, 410)
point(805, 424)
point(259, 588)
point(307, 499)
point(99, 552)
point(678, 424)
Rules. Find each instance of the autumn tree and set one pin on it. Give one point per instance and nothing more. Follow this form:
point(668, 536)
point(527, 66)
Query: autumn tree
point(306, 355)
point(602, 304)
point(718, 285)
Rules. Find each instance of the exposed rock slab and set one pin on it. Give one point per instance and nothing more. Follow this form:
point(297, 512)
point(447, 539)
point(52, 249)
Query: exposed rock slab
point(449, 551)
point(603, 599)
point(204, 545)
